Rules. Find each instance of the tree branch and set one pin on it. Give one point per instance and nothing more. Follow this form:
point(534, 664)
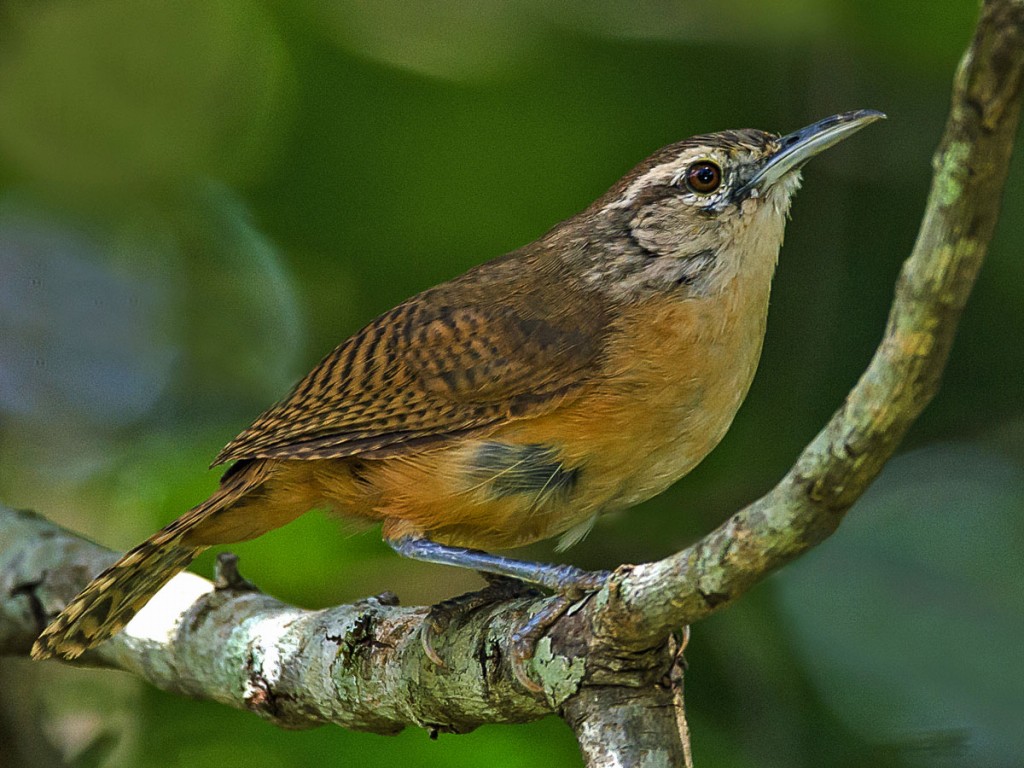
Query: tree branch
point(361, 666)
point(606, 667)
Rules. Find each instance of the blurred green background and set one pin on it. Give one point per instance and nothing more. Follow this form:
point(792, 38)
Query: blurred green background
point(199, 199)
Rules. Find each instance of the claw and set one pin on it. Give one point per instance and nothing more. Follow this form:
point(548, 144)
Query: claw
point(427, 630)
point(441, 615)
point(574, 587)
point(525, 639)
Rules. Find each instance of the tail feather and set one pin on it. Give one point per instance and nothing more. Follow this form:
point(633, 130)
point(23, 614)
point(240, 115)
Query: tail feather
point(114, 597)
point(110, 600)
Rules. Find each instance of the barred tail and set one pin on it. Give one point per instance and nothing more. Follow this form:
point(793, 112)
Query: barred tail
point(115, 596)
point(111, 599)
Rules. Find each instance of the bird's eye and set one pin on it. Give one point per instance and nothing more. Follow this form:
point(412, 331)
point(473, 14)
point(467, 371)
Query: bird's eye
point(704, 177)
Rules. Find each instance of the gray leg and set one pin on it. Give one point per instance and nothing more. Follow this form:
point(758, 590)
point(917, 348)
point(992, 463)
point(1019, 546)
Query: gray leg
point(564, 579)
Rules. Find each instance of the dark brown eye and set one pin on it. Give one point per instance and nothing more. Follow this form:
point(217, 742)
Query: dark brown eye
point(704, 177)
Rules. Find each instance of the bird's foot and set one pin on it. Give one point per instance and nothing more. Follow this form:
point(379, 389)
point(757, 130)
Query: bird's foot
point(570, 584)
point(575, 583)
point(441, 615)
point(577, 587)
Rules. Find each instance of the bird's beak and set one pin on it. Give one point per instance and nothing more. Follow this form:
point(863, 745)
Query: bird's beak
point(798, 147)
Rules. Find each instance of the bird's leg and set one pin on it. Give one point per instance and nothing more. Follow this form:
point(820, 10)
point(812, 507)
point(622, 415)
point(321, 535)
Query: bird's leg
point(564, 579)
point(569, 582)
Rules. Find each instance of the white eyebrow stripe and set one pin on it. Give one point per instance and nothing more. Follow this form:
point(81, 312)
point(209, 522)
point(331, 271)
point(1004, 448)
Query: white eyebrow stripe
point(667, 173)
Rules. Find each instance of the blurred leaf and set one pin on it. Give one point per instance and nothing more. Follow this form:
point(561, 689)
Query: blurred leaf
point(458, 41)
point(205, 734)
point(105, 323)
point(912, 32)
point(82, 342)
point(243, 326)
point(910, 618)
point(95, 96)
point(97, 753)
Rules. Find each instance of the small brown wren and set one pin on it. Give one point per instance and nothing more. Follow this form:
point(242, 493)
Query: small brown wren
point(580, 374)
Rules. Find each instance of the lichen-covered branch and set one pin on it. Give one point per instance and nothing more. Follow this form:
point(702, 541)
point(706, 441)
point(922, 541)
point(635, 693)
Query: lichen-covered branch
point(607, 667)
point(360, 666)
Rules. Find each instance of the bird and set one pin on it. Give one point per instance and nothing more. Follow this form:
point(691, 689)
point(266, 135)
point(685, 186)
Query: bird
point(578, 375)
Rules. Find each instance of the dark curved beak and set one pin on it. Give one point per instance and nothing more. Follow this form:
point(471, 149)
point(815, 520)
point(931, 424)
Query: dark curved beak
point(798, 147)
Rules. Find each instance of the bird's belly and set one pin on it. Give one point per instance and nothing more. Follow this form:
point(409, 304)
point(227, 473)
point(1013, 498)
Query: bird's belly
point(673, 445)
point(670, 403)
point(663, 403)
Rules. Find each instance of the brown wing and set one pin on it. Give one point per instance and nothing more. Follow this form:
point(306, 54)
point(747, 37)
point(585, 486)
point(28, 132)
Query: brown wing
point(510, 339)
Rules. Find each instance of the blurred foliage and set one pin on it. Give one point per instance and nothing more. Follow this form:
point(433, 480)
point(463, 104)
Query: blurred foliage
point(946, 586)
point(199, 199)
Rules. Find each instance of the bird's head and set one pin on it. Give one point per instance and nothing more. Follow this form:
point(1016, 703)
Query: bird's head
point(702, 210)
